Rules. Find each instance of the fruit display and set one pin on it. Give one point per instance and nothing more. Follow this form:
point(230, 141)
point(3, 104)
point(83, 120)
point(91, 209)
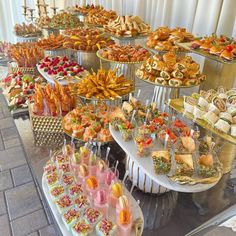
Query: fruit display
point(53, 101)
point(26, 54)
point(64, 20)
point(104, 85)
point(164, 39)
point(25, 30)
point(84, 9)
point(86, 39)
point(88, 123)
point(61, 68)
point(125, 53)
point(19, 88)
point(222, 47)
point(100, 17)
point(216, 107)
point(52, 42)
point(171, 70)
point(127, 26)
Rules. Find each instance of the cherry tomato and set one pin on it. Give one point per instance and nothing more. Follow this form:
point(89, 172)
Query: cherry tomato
point(229, 48)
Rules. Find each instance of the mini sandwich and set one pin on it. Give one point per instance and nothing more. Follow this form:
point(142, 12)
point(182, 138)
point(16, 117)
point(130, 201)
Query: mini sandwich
point(206, 166)
point(213, 108)
point(161, 161)
point(196, 44)
point(210, 117)
point(216, 50)
point(219, 103)
point(233, 130)
point(222, 125)
point(184, 164)
point(232, 110)
point(202, 102)
point(199, 112)
point(228, 55)
point(189, 104)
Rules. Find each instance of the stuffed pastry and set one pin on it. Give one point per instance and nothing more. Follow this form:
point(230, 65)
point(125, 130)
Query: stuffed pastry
point(184, 165)
point(161, 161)
point(206, 166)
point(175, 82)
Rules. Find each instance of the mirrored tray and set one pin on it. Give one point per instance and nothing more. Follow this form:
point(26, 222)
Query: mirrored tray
point(177, 104)
point(201, 52)
point(146, 165)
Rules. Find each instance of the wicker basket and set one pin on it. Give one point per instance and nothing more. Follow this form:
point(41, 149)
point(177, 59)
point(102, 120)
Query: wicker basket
point(47, 130)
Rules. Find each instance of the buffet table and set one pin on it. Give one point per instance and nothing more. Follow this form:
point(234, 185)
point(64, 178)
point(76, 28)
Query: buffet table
point(173, 213)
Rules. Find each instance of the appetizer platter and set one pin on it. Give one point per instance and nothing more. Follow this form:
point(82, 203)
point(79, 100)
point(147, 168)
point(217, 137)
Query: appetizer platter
point(27, 31)
point(61, 69)
point(100, 17)
point(164, 39)
point(26, 54)
point(18, 89)
point(89, 122)
point(170, 70)
point(124, 54)
point(4, 52)
point(209, 110)
point(221, 49)
point(53, 42)
point(104, 85)
point(43, 22)
point(127, 26)
point(86, 200)
point(83, 10)
point(168, 152)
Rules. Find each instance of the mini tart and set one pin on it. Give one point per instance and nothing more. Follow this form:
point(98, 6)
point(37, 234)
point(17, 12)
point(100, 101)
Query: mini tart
point(82, 202)
point(70, 217)
point(64, 203)
point(56, 192)
point(92, 216)
point(106, 228)
point(81, 228)
point(210, 117)
point(52, 179)
point(75, 189)
point(222, 125)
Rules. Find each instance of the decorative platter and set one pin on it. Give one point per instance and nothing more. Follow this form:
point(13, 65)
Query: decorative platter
point(177, 104)
point(136, 210)
point(201, 52)
point(146, 166)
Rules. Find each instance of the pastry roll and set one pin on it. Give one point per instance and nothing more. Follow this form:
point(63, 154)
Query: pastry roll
point(219, 103)
point(165, 75)
point(177, 74)
point(175, 82)
point(180, 66)
point(190, 82)
point(160, 80)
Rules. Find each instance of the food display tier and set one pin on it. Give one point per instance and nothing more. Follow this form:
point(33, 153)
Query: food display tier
point(146, 165)
point(116, 62)
point(114, 36)
point(168, 86)
point(51, 80)
point(136, 210)
point(201, 52)
point(177, 105)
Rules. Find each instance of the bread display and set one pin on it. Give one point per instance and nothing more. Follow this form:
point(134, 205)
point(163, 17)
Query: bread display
point(171, 70)
point(26, 54)
point(125, 53)
point(164, 38)
point(127, 26)
point(104, 85)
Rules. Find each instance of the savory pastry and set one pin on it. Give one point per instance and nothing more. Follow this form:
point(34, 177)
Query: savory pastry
point(161, 161)
point(184, 164)
point(25, 30)
point(164, 38)
point(127, 26)
point(84, 9)
point(189, 104)
point(206, 166)
point(169, 69)
point(52, 42)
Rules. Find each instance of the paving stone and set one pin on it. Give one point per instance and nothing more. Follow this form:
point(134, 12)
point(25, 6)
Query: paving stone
point(4, 226)
point(1, 144)
point(1, 115)
point(3, 209)
point(6, 122)
point(21, 175)
point(9, 133)
point(33, 234)
point(12, 158)
point(48, 231)
point(29, 223)
point(22, 200)
point(5, 180)
point(15, 142)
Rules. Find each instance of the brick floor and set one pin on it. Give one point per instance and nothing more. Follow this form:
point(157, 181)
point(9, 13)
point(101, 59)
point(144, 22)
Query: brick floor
point(21, 210)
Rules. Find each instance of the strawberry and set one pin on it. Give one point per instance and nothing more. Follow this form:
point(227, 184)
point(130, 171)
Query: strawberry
point(148, 141)
point(229, 48)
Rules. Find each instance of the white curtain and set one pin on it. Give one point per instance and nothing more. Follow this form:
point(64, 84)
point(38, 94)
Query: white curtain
point(199, 16)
